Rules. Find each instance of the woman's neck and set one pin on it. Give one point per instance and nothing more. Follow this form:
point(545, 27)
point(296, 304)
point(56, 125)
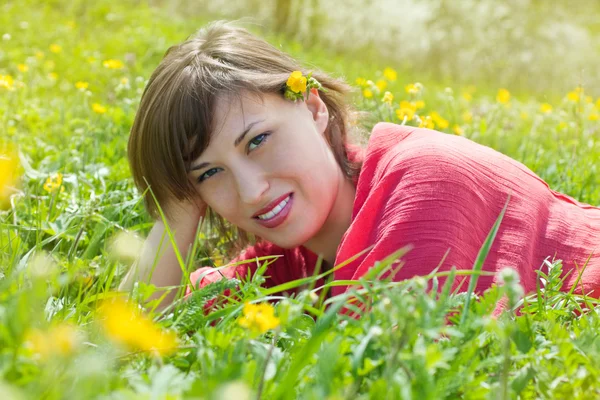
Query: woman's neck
point(328, 239)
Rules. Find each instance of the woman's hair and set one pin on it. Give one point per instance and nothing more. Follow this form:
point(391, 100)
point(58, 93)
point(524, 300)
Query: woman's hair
point(174, 122)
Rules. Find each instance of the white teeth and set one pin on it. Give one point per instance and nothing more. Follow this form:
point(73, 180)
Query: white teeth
point(276, 210)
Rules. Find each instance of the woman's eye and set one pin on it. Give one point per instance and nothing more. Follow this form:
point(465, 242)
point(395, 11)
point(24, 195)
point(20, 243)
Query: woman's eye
point(257, 141)
point(207, 174)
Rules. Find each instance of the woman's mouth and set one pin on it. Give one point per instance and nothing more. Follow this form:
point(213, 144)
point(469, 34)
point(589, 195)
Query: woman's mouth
point(278, 214)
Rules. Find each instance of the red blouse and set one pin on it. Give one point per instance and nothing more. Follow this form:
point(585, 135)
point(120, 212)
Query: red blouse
point(439, 193)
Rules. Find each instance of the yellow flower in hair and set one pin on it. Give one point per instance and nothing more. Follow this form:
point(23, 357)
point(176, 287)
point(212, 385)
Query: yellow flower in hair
point(297, 82)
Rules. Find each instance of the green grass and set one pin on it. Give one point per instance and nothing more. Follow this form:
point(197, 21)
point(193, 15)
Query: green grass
point(57, 264)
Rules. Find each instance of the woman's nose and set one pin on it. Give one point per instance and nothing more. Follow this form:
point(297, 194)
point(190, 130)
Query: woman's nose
point(252, 185)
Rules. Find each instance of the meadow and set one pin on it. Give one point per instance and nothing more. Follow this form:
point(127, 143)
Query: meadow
point(71, 224)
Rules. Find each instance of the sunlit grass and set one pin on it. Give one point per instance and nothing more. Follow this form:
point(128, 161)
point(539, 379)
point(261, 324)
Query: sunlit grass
point(69, 211)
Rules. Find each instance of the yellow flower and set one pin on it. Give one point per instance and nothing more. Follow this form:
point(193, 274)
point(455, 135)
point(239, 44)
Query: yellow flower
point(467, 96)
point(598, 103)
point(593, 117)
point(575, 94)
point(381, 84)
point(258, 317)
point(98, 108)
point(368, 93)
point(503, 96)
point(388, 97)
point(546, 108)
point(53, 76)
point(6, 82)
point(53, 182)
point(412, 88)
point(23, 67)
point(407, 110)
point(125, 324)
point(81, 85)
point(55, 48)
point(297, 82)
point(457, 130)
point(390, 74)
point(361, 81)
point(438, 120)
point(8, 174)
point(427, 122)
point(419, 104)
point(61, 340)
point(113, 64)
point(467, 116)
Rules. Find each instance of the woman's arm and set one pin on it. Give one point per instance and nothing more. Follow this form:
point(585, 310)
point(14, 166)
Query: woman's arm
point(183, 222)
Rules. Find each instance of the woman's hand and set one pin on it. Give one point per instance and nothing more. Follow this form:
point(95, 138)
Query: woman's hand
point(158, 264)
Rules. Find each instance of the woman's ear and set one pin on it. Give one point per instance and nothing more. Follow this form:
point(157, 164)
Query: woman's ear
point(318, 110)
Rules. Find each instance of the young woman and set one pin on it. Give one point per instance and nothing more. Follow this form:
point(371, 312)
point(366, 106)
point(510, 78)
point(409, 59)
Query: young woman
point(225, 130)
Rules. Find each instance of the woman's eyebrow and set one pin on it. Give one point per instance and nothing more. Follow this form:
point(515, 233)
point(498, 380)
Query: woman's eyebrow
point(236, 143)
point(241, 137)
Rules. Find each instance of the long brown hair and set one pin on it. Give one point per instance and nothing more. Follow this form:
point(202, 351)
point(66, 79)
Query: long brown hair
point(174, 121)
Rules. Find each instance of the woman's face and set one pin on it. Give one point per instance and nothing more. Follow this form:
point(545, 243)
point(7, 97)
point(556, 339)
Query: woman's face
point(268, 168)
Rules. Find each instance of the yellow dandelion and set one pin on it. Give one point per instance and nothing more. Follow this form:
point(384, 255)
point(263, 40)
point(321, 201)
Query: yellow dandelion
point(113, 64)
point(55, 48)
point(23, 67)
point(6, 82)
point(406, 110)
point(388, 97)
point(593, 117)
point(467, 96)
point(419, 104)
point(297, 82)
point(438, 120)
point(457, 130)
point(390, 74)
point(8, 174)
point(98, 108)
point(258, 317)
point(467, 116)
point(54, 182)
point(125, 324)
point(575, 94)
point(81, 85)
point(361, 81)
point(381, 84)
point(427, 122)
point(412, 88)
point(503, 96)
point(59, 340)
point(368, 93)
point(546, 108)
